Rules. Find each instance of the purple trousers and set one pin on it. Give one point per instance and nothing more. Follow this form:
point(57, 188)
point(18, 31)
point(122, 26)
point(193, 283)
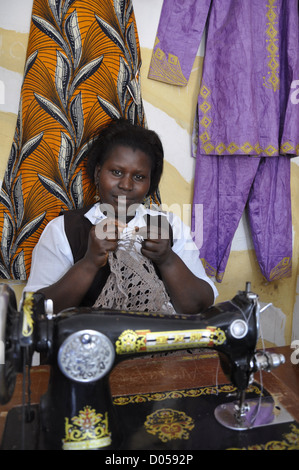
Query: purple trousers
point(228, 185)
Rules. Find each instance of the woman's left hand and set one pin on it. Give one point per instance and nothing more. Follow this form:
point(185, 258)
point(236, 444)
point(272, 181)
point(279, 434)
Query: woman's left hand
point(156, 245)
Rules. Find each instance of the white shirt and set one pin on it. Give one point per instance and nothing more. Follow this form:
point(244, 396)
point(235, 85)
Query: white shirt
point(52, 256)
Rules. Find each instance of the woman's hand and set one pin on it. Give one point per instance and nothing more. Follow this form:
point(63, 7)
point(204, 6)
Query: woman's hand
point(156, 245)
point(71, 288)
point(103, 238)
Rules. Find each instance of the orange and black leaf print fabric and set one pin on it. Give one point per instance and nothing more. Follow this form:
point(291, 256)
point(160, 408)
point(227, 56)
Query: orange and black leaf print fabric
point(82, 70)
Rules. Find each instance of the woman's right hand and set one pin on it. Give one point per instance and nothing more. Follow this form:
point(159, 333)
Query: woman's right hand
point(71, 288)
point(103, 238)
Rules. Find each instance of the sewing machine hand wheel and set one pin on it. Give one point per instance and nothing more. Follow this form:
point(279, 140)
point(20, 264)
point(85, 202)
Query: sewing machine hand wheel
point(8, 314)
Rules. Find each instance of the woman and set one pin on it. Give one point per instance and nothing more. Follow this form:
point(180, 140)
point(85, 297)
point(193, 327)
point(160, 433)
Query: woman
point(101, 255)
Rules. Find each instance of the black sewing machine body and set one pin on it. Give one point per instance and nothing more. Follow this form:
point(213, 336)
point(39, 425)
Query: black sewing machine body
point(83, 345)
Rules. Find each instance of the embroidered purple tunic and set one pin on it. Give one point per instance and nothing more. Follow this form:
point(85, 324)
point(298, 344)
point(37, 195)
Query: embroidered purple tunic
point(246, 100)
point(247, 111)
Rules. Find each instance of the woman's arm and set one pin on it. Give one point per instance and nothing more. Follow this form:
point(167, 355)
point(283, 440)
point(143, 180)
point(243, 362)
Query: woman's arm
point(71, 288)
point(53, 271)
point(181, 270)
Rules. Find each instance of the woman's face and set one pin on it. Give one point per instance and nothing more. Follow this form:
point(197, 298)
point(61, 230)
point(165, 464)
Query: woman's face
point(123, 180)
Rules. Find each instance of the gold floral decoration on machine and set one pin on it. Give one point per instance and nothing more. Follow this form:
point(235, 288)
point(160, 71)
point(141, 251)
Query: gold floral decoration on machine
point(169, 424)
point(88, 430)
point(138, 341)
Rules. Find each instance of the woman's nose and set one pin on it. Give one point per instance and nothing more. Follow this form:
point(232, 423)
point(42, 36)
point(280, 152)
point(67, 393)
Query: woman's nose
point(126, 183)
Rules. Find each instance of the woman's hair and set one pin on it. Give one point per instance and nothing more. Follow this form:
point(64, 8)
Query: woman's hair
point(122, 132)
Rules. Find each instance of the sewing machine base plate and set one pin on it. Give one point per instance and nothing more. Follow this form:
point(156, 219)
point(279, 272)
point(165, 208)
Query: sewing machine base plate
point(260, 412)
point(174, 420)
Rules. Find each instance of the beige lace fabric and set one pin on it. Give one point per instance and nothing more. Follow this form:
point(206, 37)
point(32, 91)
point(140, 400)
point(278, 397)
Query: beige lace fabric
point(133, 284)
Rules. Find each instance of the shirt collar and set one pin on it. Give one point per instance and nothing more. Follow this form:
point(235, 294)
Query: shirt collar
point(95, 215)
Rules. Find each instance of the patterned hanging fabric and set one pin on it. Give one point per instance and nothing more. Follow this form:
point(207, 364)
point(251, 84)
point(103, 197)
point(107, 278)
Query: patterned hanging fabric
point(82, 70)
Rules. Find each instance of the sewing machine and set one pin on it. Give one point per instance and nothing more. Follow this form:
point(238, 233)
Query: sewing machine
point(83, 345)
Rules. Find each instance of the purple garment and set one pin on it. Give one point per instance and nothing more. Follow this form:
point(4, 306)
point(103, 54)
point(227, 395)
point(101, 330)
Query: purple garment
point(251, 60)
point(226, 186)
point(246, 111)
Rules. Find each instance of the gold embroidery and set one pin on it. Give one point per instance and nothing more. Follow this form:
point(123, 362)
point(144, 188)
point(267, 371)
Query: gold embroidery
point(166, 69)
point(287, 148)
point(258, 149)
point(232, 148)
point(270, 150)
point(205, 107)
point(247, 148)
point(206, 120)
point(220, 148)
point(273, 75)
point(211, 271)
point(204, 92)
point(204, 137)
point(209, 148)
point(283, 269)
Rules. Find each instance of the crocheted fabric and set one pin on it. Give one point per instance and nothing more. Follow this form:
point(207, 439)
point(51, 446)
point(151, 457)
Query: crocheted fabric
point(133, 283)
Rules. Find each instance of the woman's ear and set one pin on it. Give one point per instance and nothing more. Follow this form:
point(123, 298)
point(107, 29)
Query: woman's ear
point(96, 182)
point(96, 174)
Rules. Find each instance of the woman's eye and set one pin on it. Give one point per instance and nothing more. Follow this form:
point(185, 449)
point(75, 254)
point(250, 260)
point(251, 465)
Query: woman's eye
point(116, 172)
point(139, 177)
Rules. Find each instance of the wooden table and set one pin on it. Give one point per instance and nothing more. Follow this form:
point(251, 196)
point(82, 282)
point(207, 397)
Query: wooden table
point(174, 371)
